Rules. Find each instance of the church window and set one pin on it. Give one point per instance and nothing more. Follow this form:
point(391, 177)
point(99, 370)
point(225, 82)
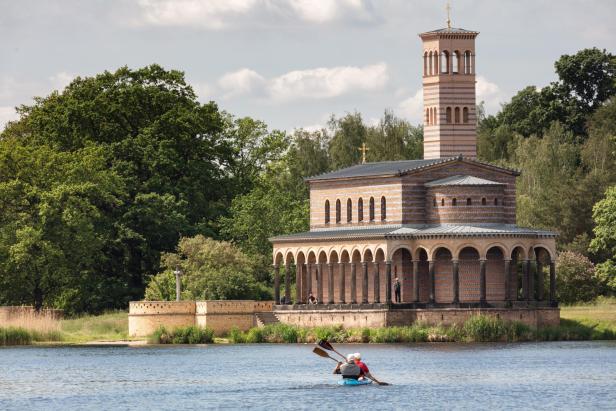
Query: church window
point(349, 210)
point(428, 116)
point(430, 64)
point(360, 210)
point(465, 115)
point(425, 58)
point(469, 202)
point(454, 202)
point(371, 209)
point(456, 62)
point(444, 62)
point(457, 115)
point(448, 115)
point(435, 116)
point(442, 202)
point(434, 202)
point(467, 62)
point(483, 201)
point(496, 201)
point(383, 209)
point(435, 62)
point(326, 211)
point(338, 211)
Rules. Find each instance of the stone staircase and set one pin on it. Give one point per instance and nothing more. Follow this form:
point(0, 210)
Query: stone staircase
point(264, 318)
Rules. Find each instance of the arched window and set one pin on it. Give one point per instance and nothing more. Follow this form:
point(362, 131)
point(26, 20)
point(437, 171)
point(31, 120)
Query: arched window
point(467, 62)
point(469, 202)
point(349, 210)
point(435, 116)
point(496, 201)
point(465, 115)
point(360, 210)
point(383, 209)
point(425, 58)
point(483, 201)
point(435, 62)
point(371, 208)
point(457, 115)
point(444, 62)
point(434, 202)
point(442, 202)
point(454, 202)
point(326, 211)
point(448, 115)
point(430, 64)
point(456, 62)
point(338, 211)
point(428, 116)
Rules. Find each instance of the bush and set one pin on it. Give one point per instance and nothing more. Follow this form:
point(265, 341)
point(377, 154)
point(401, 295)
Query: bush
point(483, 328)
point(15, 336)
point(280, 333)
point(182, 335)
point(255, 335)
point(235, 336)
point(576, 278)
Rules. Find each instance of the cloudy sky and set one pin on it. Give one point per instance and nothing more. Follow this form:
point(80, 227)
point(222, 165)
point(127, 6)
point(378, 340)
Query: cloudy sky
point(291, 63)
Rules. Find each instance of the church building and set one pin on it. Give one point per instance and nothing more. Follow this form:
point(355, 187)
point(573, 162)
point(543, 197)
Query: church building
point(441, 229)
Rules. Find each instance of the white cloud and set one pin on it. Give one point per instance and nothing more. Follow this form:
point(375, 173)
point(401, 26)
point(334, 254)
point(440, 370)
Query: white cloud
point(60, 80)
point(243, 81)
point(411, 108)
point(489, 93)
point(7, 114)
point(322, 11)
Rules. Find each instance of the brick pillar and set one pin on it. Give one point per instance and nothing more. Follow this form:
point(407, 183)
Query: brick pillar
point(431, 278)
point(416, 281)
point(353, 283)
point(388, 282)
point(277, 283)
point(507, 280)
point(364, 283)
point(531, 281)
point(377, 283)
point(320, 283)
point(341, 269)
point(456, 281)
point(330, 283)
point(298, 283)
point(308, 279)
point(552, 282)
point(525, 280)
point(287, 284)
point(539, 281)
point(482, 281)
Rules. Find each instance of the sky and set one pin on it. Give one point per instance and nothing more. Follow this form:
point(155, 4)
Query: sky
point(291, 63)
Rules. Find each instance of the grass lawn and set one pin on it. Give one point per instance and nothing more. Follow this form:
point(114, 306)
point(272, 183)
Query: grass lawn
point(602, 312)
point(111, 326)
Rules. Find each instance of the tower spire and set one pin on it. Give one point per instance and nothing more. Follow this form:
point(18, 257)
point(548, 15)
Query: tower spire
point(448, 8)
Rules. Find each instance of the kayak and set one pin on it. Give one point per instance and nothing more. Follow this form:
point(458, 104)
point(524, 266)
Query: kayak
point(350, 381)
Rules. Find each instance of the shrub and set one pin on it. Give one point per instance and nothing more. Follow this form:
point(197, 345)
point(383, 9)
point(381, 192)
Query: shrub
point(484, 328)
point(576, 278)
point(255, 335)
point(235, 336)
point(280, 333)
point(182, 335)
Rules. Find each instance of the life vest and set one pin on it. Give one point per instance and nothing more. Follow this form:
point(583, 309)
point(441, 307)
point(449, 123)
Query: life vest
point(350, 370)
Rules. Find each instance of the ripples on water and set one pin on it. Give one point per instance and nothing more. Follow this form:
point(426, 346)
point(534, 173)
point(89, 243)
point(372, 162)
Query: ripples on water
point(556, 375)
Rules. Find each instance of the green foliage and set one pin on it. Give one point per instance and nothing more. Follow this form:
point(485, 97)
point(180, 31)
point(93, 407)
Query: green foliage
point(15, 336)
point(484, 328)
point(394, 139)
point(182, 335)
point(212, 270)
point(576, 278)
point(604, 215)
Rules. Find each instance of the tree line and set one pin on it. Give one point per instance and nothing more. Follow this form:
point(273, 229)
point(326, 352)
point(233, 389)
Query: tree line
point(112, 183)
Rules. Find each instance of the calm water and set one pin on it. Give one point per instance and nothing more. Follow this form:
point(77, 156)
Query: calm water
point(563, 375)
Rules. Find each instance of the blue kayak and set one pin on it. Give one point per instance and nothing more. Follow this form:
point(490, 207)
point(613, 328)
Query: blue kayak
point(350, 381)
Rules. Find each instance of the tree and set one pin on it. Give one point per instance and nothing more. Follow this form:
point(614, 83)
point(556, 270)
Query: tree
point(213, 270)
point(394, 139)
point(576, 278)
point(604, 215)
point(348, 134)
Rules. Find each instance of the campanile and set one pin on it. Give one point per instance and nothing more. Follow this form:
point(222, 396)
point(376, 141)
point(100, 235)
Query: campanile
point(450, 122)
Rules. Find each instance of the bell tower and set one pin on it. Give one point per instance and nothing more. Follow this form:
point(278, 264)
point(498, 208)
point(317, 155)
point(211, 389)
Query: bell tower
point(450, 122)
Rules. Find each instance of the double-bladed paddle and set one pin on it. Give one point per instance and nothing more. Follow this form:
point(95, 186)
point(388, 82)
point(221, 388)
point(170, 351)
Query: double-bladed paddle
point(327, 346)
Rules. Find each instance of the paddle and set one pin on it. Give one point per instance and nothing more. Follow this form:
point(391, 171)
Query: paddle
point(322, 353)
point(327, 345)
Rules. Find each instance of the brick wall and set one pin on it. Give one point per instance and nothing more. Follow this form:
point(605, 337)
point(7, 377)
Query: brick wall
point(440, 206)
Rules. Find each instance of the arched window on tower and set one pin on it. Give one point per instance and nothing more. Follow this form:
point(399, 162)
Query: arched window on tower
point(428, 116)
point(435, 62)
point(430, 64)
point(496, 201)
point(483, 201)
point(425, 61)
point(454, 202)
point(349, 210)
point(465, 115)
point(338, 211)
point(371, 208)
point(467, 62)
point(457, 115)
point(448, 115)
point(383, 209)
point(442, 202)
point(469, 202)
point(435, 116)
point(455, 62)
point(326, 211)
point(360, 210)
point(434, 202)
point(444, 62)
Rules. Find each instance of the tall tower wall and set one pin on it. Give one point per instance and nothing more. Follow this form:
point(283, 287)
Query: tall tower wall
point(450, 119)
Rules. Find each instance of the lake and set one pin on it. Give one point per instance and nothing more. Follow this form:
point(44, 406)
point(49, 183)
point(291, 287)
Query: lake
point(548, 375)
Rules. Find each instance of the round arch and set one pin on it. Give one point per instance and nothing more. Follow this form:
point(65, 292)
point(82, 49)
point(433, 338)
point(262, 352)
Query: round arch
point(278, 258)
point(502, 247)
point(400, 247)
point(436, 247)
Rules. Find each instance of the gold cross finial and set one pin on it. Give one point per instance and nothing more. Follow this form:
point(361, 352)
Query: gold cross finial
point(448, 8)
point(363, 150)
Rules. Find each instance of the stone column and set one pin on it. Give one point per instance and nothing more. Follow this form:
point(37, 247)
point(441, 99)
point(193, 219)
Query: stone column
point(298, 283)
point(341, 269)
point(432, 285)
point(377, 283)
point(388, 282)
point(416, 281)
point(552, 282)
point(525, 280)
point(507, 280)
point(287, 284)
point(330, 283)
point(456, 281)
point(539, 281)
point(531, 281)
point(277, 283)
point(482, 281)
point(353, 283)
point(320, 282)
point(308, 279)
point(364, 283)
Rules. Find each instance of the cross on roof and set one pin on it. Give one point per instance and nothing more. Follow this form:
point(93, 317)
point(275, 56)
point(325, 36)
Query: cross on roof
point(363, 150)
point(448, 8)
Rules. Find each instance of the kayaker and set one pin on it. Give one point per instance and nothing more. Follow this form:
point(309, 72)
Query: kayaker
point(348, 369)
point(364, 368)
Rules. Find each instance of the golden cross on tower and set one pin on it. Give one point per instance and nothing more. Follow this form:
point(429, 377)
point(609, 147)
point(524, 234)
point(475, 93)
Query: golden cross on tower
point(363, 150)
point(448, 8)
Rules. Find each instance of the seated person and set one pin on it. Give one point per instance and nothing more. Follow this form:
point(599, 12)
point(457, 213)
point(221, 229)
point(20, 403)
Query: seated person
point(312, 299)
point(348, 369)
point(365, 372)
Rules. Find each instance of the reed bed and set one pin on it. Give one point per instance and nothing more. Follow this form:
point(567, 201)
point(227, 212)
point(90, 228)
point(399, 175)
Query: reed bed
point(28, 326)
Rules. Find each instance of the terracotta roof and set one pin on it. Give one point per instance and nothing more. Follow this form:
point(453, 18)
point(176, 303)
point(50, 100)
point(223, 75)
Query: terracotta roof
point(460, 180)
point(415, 230)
